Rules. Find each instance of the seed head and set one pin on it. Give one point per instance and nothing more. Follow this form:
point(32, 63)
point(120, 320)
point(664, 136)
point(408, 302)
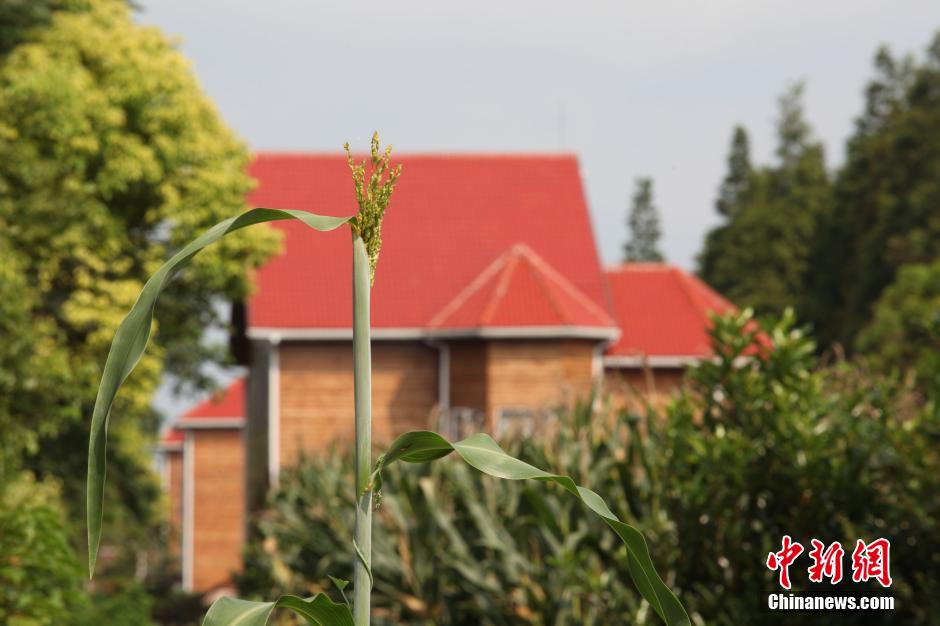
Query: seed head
point(372, 196)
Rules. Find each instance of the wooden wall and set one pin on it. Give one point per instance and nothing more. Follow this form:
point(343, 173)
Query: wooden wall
point(174, 493)
point(316, 399)
point(536, 374)
point(219, 506)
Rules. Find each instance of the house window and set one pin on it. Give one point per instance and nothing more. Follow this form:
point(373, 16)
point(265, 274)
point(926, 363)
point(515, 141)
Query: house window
point(460, 421)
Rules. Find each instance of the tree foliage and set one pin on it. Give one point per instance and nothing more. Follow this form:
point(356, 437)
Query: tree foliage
point(886, 196)
point(643, 223)
point(760, 255)
point(904, 334)
point(752, 450)
point(110, 158)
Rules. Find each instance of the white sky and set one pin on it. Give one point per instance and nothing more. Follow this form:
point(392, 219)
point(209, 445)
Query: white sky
point(633, 88)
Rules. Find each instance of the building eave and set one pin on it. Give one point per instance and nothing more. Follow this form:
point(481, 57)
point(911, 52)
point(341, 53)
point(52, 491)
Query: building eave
point(615, 361)
point(210, 423)
point(605, 333)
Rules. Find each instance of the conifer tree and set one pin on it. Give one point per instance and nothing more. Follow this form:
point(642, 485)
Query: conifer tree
point(643, 223)
point(885, 211)
point(760, 256)
point(734, 186)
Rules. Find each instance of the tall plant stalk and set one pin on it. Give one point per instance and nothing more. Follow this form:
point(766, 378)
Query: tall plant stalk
point(362, 372)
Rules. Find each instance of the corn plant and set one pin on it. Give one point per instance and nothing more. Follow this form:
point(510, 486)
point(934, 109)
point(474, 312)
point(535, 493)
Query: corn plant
point(479, 451)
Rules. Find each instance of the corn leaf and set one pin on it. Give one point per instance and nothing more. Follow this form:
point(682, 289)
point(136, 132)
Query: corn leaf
point(484, 454)
point(131, 339)
point(318, 611)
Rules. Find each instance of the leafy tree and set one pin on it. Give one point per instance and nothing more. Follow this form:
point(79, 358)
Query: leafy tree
point(886, 197)
point(760, 256)
point(110, 157)
point(42, 582)
point(904, 334)
point(643, 222)
point(777, 445)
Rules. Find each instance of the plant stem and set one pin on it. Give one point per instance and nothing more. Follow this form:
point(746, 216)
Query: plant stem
point(362, 368)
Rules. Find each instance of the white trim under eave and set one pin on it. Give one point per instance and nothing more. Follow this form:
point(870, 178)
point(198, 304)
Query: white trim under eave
point(274, 410)
point(189, 514)
point(492, 332)
point(651, 361)
point(205, 423)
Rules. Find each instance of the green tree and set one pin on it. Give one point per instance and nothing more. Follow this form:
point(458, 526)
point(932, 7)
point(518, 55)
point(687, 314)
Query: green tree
point(904, 333)
point(731, 197)
point(110, 157)
point(643, 223)
point(734, 186)
point(886, 197)
point(759, 257)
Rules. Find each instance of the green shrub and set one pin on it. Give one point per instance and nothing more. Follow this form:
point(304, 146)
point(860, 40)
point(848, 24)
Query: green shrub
point(758, 446)
point(778, 446)
point(40, 579)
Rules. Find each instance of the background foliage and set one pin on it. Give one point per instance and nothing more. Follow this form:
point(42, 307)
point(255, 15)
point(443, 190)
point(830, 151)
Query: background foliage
point(828, 244)
point(747, 454)
point(110, 157)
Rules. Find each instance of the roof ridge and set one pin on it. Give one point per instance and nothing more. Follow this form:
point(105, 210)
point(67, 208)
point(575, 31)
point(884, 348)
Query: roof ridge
point(500, 292)
point(540, 280)
point(566, 284)
point(471, 288)
point(684, 286)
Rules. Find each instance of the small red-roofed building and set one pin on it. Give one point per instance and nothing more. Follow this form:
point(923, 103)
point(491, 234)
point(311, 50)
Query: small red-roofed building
point(170, 451)
point(490, 310)
point(203, 458)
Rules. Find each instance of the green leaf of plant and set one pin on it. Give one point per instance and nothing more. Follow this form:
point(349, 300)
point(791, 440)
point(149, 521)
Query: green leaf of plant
point(131, 339)
point(481, 452)
point(318, 611)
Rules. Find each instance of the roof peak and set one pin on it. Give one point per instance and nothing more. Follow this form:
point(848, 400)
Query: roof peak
point(486, 295)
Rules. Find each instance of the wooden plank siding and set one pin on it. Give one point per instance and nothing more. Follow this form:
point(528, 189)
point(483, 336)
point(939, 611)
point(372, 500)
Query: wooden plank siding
point(219, 506)
point(174, 493)
point(536, 374)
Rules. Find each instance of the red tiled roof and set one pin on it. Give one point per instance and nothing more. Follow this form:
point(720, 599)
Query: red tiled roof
point(171, 438)
point(662, 311)
point(520, 289)
point(449, 218)
point(228, 403)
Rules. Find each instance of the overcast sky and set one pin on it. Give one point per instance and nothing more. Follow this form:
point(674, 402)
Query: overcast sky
point(633, 88)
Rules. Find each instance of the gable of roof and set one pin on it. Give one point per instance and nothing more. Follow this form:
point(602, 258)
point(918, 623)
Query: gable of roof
point(663, 314)
point(224, 409)
point(450, 217)
point(521, 291)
